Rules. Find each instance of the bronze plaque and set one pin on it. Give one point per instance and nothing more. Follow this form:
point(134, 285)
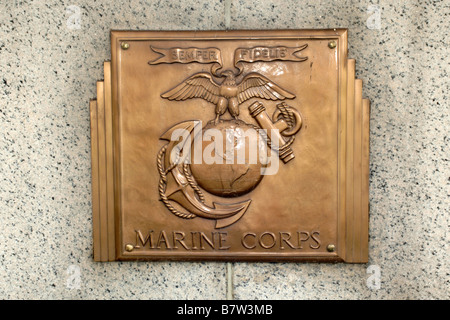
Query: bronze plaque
point(230, 145)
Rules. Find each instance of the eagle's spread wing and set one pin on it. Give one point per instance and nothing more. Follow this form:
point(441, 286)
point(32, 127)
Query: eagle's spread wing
point(200, 85)
point(256, 85)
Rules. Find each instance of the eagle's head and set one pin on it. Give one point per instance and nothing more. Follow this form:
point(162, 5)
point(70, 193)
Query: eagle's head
point(230, 77)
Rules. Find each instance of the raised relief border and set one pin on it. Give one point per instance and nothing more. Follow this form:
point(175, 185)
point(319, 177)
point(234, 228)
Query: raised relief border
point(103, 220)
point(357, 168)
point(353, 181)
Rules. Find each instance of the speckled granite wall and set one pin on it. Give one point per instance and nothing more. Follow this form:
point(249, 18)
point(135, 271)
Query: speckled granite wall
point(51, 56)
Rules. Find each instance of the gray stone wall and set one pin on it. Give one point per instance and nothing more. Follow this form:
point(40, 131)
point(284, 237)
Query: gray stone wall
point(51, 54)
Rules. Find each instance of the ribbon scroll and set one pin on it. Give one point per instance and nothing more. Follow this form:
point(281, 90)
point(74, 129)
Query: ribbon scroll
point(268, 54)
point(187, 55)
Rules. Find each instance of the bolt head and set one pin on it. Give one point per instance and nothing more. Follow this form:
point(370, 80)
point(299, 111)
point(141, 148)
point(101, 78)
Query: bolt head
point(332, 44)
point(124, 45)
point(129, 247)
point(331, 248)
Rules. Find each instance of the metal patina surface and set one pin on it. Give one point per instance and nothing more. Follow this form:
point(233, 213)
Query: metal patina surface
point(230, 145)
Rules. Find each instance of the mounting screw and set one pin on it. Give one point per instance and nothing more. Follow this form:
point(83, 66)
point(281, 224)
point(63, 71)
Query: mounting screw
point(331, 248)
point(124, 45)
point(129, 247)
point(332, 44)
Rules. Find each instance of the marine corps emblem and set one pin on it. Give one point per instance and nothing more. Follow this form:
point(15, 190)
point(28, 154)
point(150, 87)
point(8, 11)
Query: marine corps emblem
point(231, 146)
point(232, 153)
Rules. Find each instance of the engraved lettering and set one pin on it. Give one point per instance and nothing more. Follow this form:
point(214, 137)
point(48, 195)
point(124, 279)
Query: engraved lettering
point(194, 247)
point(198, 240)
point(244, 240)
point(269, 54)
point(178, 236)
point(174, 54)
point(186, 55)
point(316, 239)
point(208, 241)
point(140, 237)
point(273, 52)
point(285, 237)
point(270, 243)
point(302, 239)
point(163, 238)
point(222, 239)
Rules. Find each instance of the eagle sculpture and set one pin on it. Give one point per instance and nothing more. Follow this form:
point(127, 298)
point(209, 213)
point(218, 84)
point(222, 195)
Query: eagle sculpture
point(229, 94)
